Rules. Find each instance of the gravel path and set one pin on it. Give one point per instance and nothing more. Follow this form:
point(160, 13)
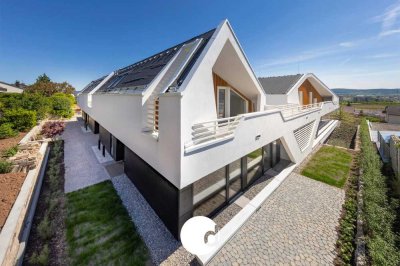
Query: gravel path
point(82, 169)
point(158, 239)
point(296, 225)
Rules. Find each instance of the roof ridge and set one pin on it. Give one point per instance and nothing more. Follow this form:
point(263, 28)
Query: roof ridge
point(283, 76)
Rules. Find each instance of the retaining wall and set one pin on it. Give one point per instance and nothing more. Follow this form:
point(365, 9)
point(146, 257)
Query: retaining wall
point(15, 233)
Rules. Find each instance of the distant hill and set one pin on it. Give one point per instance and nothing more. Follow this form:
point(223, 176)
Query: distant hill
point(366, 92)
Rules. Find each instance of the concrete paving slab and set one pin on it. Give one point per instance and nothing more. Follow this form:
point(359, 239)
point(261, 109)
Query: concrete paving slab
point(82, 169)
point(99, 155)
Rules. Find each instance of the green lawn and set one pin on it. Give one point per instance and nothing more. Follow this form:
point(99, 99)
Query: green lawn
point(255, 154)
point(99, 229)
point(330, 165)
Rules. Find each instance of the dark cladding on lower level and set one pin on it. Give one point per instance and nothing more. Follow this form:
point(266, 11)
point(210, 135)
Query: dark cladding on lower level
point(172, 205)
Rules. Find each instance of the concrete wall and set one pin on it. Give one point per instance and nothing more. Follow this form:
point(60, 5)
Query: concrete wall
point(393, 119)
point(395, 154)
point(384, 148)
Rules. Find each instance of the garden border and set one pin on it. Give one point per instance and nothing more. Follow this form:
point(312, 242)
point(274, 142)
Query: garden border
point(15, 232)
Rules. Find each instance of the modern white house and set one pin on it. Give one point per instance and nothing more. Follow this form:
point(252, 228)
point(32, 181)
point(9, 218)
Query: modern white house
point(195, 127)
point(5, 87)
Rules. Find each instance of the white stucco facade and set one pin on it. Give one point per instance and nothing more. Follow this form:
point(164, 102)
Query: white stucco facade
point(172, 151)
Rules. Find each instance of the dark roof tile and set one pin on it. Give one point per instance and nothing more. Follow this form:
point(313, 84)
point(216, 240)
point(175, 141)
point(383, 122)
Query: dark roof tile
point(280, 84)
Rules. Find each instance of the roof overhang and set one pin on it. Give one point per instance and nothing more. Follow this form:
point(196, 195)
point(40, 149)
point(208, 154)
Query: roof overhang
point(322, 89)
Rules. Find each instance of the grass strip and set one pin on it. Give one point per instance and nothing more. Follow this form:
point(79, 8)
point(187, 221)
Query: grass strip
point(99, 229)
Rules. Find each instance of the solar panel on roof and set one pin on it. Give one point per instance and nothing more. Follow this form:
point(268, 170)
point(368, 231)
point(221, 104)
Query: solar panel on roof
point(140, 74)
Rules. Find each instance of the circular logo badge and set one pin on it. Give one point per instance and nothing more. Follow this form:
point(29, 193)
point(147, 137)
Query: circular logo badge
point(198, 235)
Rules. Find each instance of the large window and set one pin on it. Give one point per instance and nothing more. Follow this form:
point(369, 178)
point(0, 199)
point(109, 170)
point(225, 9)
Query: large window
point(230, 103)
point(235, 180)
point(254, 165)
point(267, 156)
point(209, 193)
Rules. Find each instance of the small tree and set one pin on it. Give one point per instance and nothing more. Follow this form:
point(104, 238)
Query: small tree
point(43, 78)
point(45, 86)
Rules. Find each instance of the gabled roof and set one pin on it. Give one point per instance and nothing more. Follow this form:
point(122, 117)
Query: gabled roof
point(142, 73)
point(393, 110)
point(280, 84)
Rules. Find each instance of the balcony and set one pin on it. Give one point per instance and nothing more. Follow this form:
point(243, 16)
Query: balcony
point(212, 132)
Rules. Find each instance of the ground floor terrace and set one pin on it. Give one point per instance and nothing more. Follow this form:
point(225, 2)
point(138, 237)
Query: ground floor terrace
point(233, 184)
point(295, 224)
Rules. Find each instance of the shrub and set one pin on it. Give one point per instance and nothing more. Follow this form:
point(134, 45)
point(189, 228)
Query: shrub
point(70, 97)
point(38, 103)
point(11, 151)
point(52, 129)
point(7, 131)
point(20, 118)
point(44, 228)
point(5, 167)
point(61, 106)
point(347, 227)
point(378, 207)
point(42, 258)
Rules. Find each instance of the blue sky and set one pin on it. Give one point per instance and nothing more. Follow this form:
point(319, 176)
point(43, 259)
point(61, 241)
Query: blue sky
point(351, 44)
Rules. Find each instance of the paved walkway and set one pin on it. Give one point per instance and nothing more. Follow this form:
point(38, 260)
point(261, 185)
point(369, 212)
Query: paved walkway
point(82, 169)
point(296, 225)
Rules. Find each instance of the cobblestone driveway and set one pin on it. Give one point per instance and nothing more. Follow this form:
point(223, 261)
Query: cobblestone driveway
point(295, 226)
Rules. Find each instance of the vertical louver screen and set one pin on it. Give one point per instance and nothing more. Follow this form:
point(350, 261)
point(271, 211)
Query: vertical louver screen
point(303, 135)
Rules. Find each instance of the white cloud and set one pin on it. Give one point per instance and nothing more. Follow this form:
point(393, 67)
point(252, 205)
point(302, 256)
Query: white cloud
point(381, 56)
point(389, 32)
point(302, 56)
point(389, 20)
point(348, 44)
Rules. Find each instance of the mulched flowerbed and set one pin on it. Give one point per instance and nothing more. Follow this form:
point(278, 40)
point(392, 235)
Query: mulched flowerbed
point(10, 185)
point(5, 144)
point(47, 244)
point(344, 135)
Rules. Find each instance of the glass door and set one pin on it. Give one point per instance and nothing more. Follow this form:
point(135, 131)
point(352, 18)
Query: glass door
point(234, 178)
point(230, 103)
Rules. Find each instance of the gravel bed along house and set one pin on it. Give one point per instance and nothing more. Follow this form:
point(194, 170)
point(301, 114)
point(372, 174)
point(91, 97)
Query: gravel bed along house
point(158, 239)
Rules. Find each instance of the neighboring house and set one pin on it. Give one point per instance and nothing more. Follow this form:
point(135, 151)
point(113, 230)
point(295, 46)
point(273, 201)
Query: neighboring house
point(5, 87)
point(195, 128)
point(305, 89)
point(393, 114)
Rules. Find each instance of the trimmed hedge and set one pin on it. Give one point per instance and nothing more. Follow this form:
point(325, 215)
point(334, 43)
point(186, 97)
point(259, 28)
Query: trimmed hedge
point(378, 207)
point(21, 119)
point(347, 228)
